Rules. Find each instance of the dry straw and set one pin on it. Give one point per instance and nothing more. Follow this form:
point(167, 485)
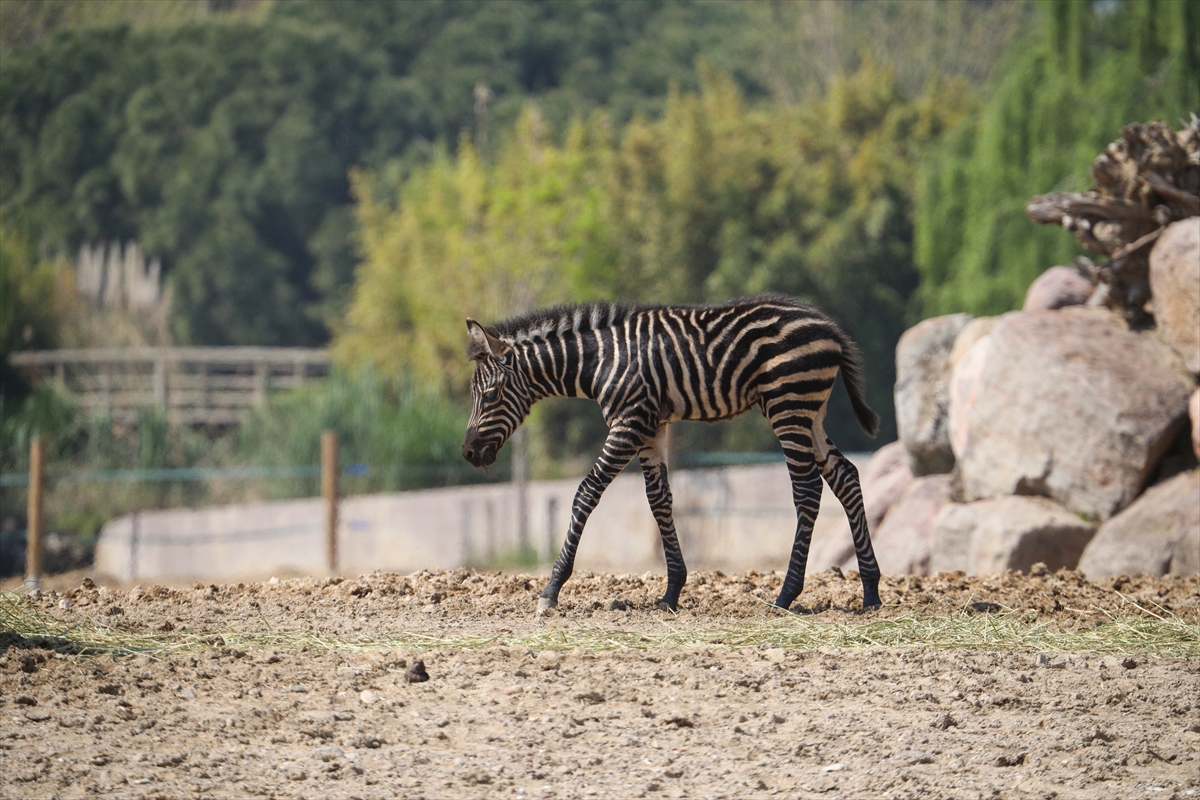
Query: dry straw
point(1139, 631)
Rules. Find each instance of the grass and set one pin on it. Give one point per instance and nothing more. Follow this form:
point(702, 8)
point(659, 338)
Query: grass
point(1146, 633)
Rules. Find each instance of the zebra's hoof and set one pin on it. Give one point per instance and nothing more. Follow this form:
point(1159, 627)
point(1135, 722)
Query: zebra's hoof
point(663, 605)
point(545, 604)
point(871, 600)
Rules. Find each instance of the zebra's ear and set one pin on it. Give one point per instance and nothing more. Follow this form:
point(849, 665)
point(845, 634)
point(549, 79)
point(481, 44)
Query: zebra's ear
point(483, 343)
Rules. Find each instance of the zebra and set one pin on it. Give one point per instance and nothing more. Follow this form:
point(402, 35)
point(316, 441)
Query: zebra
point(648, 366)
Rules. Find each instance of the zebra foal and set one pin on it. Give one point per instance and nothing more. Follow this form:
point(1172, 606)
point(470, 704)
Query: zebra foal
point(649, 366)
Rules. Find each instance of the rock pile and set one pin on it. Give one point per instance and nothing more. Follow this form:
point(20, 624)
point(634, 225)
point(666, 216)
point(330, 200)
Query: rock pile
point(1059, 434)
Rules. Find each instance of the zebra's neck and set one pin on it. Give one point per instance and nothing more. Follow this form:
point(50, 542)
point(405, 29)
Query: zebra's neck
point(560, 351)
point(562, 365)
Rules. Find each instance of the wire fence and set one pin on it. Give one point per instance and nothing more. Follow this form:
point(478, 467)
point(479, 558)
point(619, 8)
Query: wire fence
point(61, 483)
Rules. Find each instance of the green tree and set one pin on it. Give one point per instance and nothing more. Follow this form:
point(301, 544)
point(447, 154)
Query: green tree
point(713, 200)
point(1066, 92)
point(468, 238)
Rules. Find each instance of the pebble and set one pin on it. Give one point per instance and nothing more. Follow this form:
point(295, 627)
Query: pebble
point(328, 753)
point(944, 721)
point(911, 757)
point(548, 659)
point(366, 697)
point(416, 673)
point(295, 687)
point(776, 655)
point(1009, 760)
point(833, 768)
point(65, 604)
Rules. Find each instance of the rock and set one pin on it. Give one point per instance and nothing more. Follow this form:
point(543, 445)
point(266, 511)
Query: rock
point(1058, 287)
point(883, 480)
point(1070, 405)
point(367, 697)
point(922, 372)
point(1175, 289)
point(1158, 535)
point(971, 333)
point(328, 753)
point(990, 536)
point(965, 384)
point(904, 540)
point(1194, 413)
point(416, 673)
point(1009, 760)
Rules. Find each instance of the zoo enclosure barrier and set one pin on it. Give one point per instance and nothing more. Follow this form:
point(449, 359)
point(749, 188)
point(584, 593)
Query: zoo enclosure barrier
point(733, 513)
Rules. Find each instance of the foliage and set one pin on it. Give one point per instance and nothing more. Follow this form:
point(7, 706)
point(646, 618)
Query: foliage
point(35, 303)
point(1066, 92)
point(219, 135)
point(222, 143)
point(713, 200)
point(392, 435)
point(809, 46)
point(465, 237)
point(223, 165)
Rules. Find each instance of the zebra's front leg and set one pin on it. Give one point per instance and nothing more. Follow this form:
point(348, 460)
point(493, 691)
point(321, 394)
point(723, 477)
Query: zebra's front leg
point(658, 491)
point(620, 446)
point(842, 477)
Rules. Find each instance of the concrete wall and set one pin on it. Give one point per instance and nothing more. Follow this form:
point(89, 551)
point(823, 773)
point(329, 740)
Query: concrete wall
point(733, 518)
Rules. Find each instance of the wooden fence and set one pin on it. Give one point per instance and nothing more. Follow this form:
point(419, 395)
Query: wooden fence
point(193, 385)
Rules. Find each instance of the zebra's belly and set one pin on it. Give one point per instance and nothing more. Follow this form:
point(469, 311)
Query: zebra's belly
point(712, 410)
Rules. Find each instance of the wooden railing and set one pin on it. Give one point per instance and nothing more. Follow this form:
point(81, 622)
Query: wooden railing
point(193, 385)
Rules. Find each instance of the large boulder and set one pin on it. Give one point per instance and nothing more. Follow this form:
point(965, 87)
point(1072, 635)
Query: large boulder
point(1175, 287)
point(1069, 405)
point(971, 333)
point(883, 479)
point(991, 536)
point(1058, 287)
point(1158, 535)
point(904, 540)
point(922, 372)
point(1194, 413)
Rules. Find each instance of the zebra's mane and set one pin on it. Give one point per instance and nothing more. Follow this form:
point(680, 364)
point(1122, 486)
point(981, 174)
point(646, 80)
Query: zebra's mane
point(560, 319)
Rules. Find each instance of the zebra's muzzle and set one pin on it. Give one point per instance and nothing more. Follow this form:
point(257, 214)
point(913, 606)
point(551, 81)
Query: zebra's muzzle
point(479, 454)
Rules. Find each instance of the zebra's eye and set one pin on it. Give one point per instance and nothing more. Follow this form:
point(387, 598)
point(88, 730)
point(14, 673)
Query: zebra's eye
point(491, 394)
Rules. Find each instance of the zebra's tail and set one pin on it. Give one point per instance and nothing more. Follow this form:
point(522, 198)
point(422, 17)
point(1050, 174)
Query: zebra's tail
point(852, 377)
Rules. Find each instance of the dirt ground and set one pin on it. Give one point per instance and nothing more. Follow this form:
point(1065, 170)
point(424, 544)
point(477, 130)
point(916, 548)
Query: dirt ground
point(514, 721)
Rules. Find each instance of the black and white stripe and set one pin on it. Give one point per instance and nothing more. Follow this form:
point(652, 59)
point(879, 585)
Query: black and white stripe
point(649, 366)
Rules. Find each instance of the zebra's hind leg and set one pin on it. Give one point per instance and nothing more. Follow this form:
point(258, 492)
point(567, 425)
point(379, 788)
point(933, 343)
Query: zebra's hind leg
point(794, 430)
point(806, 495)
point(653, 457)
point(622, 444)
point(842, 477)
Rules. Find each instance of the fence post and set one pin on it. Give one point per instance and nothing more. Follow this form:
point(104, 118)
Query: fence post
point(33, 546)
point(329, 490)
